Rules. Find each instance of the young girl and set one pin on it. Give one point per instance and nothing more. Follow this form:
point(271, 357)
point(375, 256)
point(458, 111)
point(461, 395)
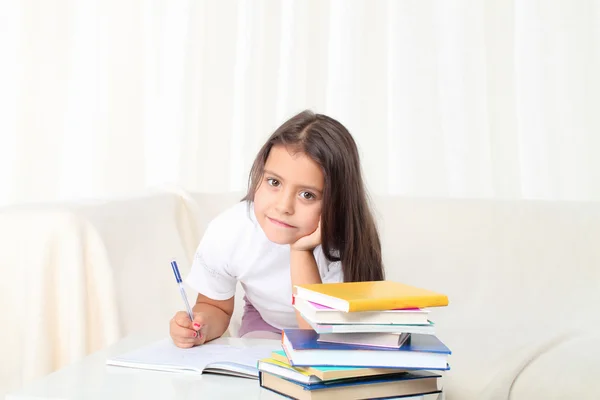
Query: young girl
point(305, 219)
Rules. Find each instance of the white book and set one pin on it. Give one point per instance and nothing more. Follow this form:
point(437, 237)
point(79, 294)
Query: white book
point(390, 340)
point(428, 329)
point(325, 315)
point(208, 358)
point(431, 396)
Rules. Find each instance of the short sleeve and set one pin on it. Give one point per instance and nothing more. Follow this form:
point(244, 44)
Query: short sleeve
point(209, 274)
point(330, 271)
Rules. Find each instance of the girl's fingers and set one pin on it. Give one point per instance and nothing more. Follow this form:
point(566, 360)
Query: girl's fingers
point(186, 333)
point(183, 345)
point(178, 331)
point(182, 319)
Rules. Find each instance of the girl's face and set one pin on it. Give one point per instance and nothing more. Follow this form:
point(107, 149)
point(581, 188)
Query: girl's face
point(288, 201)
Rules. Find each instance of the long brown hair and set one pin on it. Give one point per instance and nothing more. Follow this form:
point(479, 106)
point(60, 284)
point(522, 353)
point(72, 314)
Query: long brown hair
point(348, 230)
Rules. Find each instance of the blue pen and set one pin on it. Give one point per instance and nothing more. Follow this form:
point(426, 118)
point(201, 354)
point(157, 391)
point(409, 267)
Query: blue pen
point(182, 290)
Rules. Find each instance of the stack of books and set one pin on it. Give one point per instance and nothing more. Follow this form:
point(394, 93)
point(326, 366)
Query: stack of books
point(369, 340)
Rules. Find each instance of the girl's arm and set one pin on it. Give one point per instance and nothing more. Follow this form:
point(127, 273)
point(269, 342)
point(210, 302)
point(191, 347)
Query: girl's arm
point(214, 314)
point(304, 270)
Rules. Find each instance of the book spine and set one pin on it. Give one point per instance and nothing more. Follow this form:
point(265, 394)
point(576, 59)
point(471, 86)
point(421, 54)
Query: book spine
point(390, 304)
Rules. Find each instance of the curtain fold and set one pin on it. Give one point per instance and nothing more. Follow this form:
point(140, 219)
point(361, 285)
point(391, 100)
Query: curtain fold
point(458, 98)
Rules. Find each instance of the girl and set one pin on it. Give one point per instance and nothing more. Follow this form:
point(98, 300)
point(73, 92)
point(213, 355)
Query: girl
point(305, 219)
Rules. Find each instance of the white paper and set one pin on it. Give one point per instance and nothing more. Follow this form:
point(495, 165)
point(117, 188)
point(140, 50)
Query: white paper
point(165, 356)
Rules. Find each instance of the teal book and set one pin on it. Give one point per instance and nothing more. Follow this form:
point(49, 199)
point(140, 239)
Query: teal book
point(329, 373)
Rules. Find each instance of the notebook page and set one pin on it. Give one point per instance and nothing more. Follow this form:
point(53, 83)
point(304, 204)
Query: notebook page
point(165, 356)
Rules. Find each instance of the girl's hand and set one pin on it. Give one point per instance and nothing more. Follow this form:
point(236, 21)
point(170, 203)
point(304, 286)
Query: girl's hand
point(186, 333)
point(308, 242)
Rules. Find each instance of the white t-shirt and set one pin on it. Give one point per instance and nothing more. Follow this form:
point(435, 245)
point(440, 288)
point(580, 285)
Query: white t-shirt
point(235, 248)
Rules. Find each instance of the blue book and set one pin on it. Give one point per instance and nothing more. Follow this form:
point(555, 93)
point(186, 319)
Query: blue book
point(418, 352)
point(377, 387)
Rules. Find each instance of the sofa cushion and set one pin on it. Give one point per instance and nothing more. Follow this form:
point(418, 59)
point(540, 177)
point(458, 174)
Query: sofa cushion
point(569, 370)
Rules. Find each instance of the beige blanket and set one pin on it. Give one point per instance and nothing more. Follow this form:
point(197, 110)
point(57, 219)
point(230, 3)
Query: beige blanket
point(56, 293)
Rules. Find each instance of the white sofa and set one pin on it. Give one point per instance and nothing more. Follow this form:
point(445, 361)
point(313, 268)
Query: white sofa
point(523, 278)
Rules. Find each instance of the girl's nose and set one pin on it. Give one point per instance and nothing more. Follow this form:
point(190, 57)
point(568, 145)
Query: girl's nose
point(285, 203)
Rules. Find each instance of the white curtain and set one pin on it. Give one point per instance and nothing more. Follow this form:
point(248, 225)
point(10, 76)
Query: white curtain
point(476, 98)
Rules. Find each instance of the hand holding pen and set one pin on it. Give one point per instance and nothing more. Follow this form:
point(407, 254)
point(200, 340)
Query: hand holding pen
point(186, 326)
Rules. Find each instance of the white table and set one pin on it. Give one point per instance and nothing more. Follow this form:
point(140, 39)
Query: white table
point(92, 379)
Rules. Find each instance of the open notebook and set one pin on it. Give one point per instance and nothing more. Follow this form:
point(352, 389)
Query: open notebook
point(209, 358)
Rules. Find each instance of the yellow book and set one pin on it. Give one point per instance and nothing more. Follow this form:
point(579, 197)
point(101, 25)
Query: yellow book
point(370, 296)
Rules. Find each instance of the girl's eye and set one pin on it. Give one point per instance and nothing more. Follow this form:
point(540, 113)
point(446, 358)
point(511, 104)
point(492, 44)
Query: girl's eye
point(307, 195)
point(273, 182)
